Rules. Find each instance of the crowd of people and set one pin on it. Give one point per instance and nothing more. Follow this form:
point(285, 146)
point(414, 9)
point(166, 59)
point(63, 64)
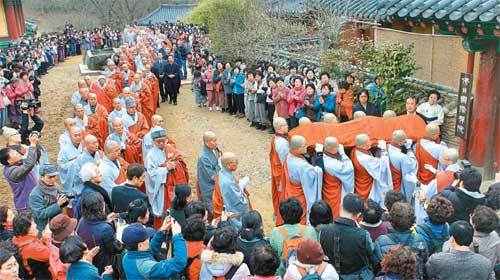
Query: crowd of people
point(297, 94)
point(119, 204)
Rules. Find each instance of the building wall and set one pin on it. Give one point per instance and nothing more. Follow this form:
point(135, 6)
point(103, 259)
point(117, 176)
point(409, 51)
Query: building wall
point(441, 58)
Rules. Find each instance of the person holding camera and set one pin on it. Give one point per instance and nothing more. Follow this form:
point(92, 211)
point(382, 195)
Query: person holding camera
point(465, 194)
point(46, 200)
point(19, 172)
point(139, 261)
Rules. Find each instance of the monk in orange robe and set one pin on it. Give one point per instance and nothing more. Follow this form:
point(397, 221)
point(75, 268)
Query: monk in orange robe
point(106, 91)
point(300, 179)
point(130, 145)
point(128, 75)
point(177, 176)
point(227, 185)
point(279, 149)
point(135, 121)
point(429, 152)
point(372, 175)
point(141, 88)
point(153, 83)
point(338, 175)
point(98, 115)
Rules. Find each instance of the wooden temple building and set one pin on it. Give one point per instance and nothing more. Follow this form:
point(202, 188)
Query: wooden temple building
point(12, 22)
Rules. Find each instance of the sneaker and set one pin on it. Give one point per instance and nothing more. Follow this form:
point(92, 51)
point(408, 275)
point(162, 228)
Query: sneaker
point(210, 109)
point(217, 108)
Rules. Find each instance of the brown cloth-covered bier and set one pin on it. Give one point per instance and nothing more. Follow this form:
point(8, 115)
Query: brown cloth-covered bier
point(377, 128)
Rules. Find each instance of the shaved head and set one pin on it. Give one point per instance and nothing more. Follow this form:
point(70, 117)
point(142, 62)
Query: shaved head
point(304, 120)
point(389, 114)
point(156, 120)
point(398, 136)
point(228, 158)
point(330, 118)
point(69, 123)
point(432, 131)
point(277, 122)
point(358, 115)
point(362, 140)
point(451, 154)
point(208, 135)
point(90, 139)
point(110, 146)
point(297, 142)
point(331, 145)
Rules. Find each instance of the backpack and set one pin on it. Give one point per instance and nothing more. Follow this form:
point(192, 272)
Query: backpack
point(436, 243)
point(314, 276)
point(183, 274)
point(290, 244)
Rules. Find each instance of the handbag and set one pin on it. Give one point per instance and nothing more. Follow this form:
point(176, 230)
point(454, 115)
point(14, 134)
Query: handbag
point(260, 98)
point(218, 86)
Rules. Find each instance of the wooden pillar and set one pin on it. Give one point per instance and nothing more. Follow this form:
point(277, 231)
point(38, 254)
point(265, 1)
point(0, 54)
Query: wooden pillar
point(463, 144)
point(10, 15)
point(483, 144)
point(17, 8)
point(21, 17)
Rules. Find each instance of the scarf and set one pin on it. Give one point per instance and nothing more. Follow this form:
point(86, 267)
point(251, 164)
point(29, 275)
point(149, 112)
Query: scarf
point(285, 136)
point(49, 192)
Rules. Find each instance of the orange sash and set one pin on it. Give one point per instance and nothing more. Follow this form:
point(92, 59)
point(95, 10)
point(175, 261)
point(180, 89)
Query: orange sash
point(424, 157)
point(276, 171)
point(291, 189)
point(362, 180)
point(332, 192)
point(396, 178)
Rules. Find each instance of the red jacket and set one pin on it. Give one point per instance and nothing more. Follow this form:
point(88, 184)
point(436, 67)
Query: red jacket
point(33, 248)
point(194, 249)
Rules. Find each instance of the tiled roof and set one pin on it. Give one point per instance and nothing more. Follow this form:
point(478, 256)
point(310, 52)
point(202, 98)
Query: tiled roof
point(286, 6)
point(362, 9)
point(453, 10)
point(168, 12)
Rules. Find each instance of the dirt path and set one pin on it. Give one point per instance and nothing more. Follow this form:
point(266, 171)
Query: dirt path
point(186, 124)
point(57, 87)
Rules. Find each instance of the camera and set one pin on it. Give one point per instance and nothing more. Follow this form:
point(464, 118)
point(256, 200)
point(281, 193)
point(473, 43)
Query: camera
point(36, 133)
point(32, 103)
point(69, 195)
point(464, 164)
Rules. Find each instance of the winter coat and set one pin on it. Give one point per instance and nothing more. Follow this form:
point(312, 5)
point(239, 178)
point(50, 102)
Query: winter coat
point(218, 264)
point(464, 202)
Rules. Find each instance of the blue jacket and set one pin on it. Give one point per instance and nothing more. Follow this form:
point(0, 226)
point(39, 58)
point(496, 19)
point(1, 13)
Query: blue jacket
point(142, 264)
point(384, 242)
point(98, 233)
point(438, 230)
point(84, 270)
point(238, 85)
point(328, 106)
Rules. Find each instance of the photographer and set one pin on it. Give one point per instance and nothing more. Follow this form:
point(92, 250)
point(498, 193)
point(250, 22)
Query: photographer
point(46, 200)
point(464, 194)
point(19, 172)
point(29, 109)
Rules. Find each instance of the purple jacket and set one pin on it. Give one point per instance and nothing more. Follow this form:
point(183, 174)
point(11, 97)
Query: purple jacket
point(22, 179)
